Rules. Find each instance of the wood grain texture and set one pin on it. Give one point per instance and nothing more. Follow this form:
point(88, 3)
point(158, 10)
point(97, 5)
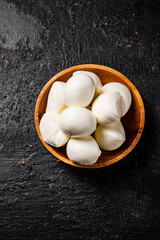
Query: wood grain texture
point(41, 197)
point(133, 121)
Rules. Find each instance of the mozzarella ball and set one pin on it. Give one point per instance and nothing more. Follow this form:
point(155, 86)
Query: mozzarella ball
point(110, 137)
point(55, 100)
point(95, 78)
point(77, 122)
point(79, 91)
point(50, 131)
point(84, 151)
point(107, 108)
point(123, 91)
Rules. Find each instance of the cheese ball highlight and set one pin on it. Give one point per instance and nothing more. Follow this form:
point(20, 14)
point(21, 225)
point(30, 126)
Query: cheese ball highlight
point(77, 122)
point(123, 91)
point(110, 137)
point(50, 131)
point(79, 91)
point(107, 108)
point(56, 100)
point(84, 151)
point(96, 80)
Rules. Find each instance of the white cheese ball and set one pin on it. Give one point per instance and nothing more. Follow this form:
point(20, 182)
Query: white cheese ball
point(123, 91)
point(111, 137)
point(96, 79)
point(84, 151)
point(50, 131)
point(77, 122)
point(107, 108)
point(79, 91)
point(55, 100)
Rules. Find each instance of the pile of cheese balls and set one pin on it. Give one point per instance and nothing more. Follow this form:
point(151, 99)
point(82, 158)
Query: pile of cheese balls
point(80, 107)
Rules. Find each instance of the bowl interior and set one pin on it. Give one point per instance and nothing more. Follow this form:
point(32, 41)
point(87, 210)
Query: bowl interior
point(133, 121)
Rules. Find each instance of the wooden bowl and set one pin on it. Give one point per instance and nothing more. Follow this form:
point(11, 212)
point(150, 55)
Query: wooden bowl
point(133, 121)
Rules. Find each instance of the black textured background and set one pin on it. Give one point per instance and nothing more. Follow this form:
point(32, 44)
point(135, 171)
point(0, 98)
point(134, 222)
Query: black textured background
point(41, 198)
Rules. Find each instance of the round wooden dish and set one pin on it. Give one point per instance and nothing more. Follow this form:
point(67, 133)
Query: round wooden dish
point(133, 121)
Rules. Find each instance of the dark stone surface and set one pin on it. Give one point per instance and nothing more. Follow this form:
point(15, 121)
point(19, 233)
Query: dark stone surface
point(44, 198)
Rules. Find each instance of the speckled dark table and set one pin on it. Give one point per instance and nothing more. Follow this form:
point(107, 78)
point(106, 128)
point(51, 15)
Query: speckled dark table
point(41, 198)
